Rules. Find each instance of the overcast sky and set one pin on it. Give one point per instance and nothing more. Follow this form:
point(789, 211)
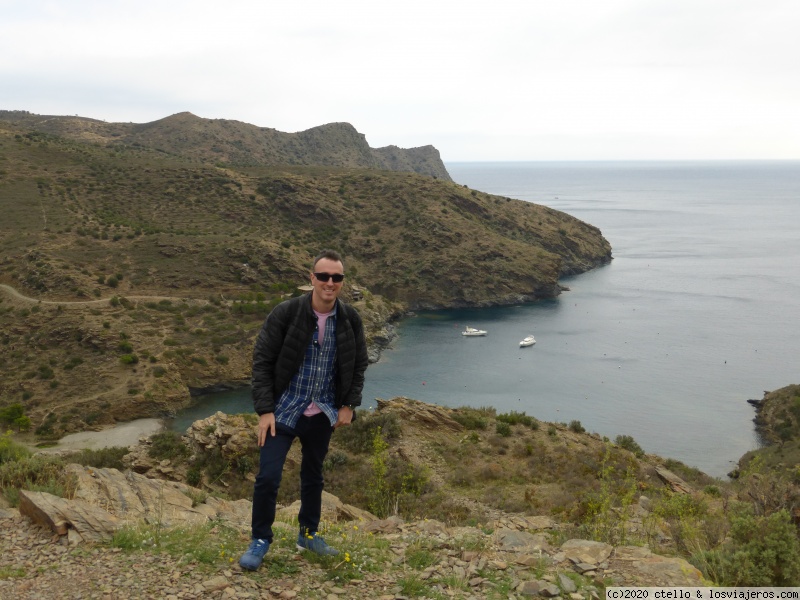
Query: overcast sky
point(490, 80)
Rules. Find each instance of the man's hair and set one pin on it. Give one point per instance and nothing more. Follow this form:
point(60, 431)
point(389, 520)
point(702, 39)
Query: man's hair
point(330, 255)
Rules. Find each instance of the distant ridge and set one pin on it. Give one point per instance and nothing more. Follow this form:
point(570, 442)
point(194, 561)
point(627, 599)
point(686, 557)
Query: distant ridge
point(241, 144)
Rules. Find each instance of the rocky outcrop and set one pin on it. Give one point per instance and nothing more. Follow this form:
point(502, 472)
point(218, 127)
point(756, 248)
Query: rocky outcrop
point(431, 416)
point(424, 160)
point(107, 499)
point(79, 520)
point(677, 484)
point(231, 436)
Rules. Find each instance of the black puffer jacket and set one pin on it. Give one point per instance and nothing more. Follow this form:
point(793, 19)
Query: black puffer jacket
point(281, 347)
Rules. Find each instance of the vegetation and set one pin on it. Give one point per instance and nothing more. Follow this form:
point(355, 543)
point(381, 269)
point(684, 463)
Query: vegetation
point(185, 252)
point(150, 272)
point(737, 533)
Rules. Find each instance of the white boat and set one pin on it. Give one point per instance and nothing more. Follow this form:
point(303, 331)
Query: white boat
point(472, 332)
point(528, 341)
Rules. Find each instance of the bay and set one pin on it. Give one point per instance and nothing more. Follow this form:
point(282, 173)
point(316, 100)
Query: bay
point(696, 313)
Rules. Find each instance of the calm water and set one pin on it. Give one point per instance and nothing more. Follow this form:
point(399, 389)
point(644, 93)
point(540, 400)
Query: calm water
point(696, 314)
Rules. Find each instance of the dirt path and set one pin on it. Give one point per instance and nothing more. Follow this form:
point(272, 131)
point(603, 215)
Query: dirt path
point(21, 299)
point(12, 293)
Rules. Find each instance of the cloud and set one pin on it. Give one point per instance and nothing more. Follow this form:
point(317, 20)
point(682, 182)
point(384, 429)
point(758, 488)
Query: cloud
point(481, 81)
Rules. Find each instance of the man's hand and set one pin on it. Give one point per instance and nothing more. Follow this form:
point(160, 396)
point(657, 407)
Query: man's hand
point(345, 416)
point(266, 426)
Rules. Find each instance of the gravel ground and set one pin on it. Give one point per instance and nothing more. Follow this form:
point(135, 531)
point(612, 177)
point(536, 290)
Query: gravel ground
point(37, 565)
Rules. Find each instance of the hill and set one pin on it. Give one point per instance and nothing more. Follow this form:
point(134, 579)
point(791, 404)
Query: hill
point(222, 141)
point(134, 274)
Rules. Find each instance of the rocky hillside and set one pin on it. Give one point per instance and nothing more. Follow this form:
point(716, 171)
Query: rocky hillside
point(131, 273)
point(239, 144)
point(453, 505)
point(778, 424)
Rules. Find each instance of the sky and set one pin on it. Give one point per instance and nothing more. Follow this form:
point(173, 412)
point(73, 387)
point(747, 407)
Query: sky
point(496, 80)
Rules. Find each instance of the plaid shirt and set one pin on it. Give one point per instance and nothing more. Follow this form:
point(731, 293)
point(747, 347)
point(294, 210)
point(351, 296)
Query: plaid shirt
point(314, 382)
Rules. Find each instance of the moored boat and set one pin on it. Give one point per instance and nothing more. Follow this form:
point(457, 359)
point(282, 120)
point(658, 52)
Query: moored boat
point(472, 332)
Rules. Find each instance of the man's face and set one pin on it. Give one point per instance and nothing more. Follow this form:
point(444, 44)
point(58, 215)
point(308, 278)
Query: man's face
point(327, 291)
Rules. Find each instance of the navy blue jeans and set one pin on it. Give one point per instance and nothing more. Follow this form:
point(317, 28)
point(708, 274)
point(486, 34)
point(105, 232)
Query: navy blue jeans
point(315, 436)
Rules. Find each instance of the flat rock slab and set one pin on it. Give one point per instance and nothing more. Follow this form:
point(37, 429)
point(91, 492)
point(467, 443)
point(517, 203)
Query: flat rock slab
point(586, 551)
point(89, 523)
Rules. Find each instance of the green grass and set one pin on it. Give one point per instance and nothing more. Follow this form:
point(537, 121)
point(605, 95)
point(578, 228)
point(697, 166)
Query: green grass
point(210, 543)
point(7, 572)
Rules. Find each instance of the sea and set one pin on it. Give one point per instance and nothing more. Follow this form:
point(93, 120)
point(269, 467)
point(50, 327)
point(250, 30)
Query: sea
point(698, 312)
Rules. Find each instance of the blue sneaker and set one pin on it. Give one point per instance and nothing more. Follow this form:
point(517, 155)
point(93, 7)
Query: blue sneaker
point(251, 559)
point(315, 543)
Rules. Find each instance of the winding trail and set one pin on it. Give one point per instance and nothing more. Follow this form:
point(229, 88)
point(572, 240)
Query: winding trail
point(21, 299)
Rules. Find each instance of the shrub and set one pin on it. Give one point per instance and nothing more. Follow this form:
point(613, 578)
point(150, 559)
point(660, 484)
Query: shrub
point(194, 476)
point(503, 429)
point(519, 418)
point(628, 443)
point(359, 436)
point(11, 451)
point(762, 551)
point(37, 473)
point(10, 414)
point(45, 372)
point(168, 445)
point(470, 419)
point(129, 359)
point(103, 458)
point(576, 426)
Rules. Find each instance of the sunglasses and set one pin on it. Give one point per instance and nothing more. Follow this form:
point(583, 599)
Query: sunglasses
point(324, 277)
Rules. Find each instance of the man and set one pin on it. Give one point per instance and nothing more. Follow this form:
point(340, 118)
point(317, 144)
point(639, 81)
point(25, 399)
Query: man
point(308, 373)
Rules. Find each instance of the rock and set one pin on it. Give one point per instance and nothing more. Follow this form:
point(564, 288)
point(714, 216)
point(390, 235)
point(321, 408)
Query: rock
point(216, 584)
point(583, 568)
point(586, 551)
point(521, 541)
point(567, 584)
point(104, 498)
point(390, 525)
point(6, 513)
point(528, 560)
point(432, 526)
point(540, 522)
point(673, 481)
point(549, 591)
point(333, 510)
point(659, 570)
point(88, 522)
point(529, 588)
point(632, 553)
point(427, 415)
point(133, 496)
